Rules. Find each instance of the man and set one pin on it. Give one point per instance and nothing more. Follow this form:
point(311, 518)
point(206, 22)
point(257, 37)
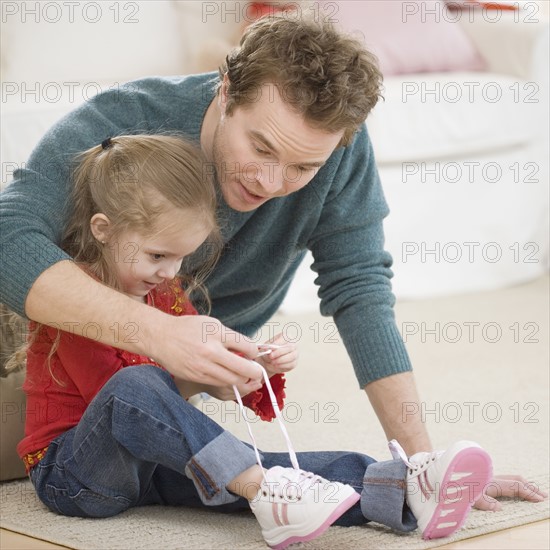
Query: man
point(275, 131)
point(283, 127)
point(286, 185)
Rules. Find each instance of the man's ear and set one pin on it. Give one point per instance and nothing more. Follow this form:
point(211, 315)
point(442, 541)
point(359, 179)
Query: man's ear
point(100, 226)
point(222, 98)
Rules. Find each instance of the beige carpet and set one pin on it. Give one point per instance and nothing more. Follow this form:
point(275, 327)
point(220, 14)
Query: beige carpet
point(483, 375)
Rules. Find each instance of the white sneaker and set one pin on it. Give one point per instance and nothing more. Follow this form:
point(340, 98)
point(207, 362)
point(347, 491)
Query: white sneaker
point(297, 506)
point(443, 486)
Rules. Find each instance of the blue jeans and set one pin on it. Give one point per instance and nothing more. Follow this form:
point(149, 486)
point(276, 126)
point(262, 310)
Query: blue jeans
point(140, 443)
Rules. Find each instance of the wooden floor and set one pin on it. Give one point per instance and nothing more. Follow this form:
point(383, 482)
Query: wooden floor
point(535, 536)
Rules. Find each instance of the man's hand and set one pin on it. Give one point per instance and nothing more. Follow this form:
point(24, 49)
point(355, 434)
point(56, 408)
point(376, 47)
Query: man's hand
point(508, 486)
point(200, 349)
point(283, 358)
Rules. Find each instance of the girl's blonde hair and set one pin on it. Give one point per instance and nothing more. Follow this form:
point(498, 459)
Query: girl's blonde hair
point(133, 179)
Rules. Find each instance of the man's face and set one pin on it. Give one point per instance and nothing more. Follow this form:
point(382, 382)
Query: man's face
point(266, 150)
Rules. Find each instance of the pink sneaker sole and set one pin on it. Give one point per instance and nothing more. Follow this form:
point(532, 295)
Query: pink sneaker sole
point(466, 477)
point(341, 509)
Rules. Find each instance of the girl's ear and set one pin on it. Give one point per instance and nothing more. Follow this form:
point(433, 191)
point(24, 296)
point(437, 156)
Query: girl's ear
point(100, 227)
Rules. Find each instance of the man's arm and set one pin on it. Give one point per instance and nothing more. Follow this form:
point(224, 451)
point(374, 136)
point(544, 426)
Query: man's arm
point(354, 276)
point(38, 279)
point(191, 347)
point(400, 414)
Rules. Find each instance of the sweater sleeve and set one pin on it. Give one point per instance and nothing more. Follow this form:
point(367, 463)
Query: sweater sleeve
point(34, 208)
point(354, 269)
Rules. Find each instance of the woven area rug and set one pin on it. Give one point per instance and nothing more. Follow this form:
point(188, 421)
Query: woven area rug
point(491, 391)
point(171, 528)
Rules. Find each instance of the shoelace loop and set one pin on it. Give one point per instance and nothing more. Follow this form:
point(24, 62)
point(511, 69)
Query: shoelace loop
point(398, 452)
point(278, 416)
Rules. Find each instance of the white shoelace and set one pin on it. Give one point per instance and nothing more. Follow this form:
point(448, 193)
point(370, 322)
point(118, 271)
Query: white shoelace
point(299, 481)
point(278, 416)
point(398, 452)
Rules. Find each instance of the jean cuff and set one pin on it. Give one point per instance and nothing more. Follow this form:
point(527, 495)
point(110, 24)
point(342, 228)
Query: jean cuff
point(215, 465)
point(383, 497)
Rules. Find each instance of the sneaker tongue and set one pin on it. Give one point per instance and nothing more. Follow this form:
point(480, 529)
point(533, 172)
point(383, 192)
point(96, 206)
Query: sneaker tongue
point(418, 457)
point(291, 477)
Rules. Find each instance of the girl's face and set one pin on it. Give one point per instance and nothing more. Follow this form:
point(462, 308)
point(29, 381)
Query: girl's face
point(143, 262)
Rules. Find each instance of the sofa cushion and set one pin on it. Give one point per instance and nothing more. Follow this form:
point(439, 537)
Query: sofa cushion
point(408, 37)
point(12, 401)
point(438, 115)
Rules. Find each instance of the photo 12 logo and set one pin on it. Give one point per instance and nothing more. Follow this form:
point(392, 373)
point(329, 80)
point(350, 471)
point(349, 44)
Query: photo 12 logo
point(469, 252)
point(70, 12)
point(248, 12)
point(292, 412)
point(469, 91)
point(519, 11)
point(472, 411)
point(452, 332)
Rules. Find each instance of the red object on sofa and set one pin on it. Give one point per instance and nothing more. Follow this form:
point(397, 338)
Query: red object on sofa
point(258, 9)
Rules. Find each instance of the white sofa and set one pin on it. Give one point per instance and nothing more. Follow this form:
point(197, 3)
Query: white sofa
point(466, 180)
point(463, 158)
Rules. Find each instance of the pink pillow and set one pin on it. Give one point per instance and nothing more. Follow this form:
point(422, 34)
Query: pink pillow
point(407, 37)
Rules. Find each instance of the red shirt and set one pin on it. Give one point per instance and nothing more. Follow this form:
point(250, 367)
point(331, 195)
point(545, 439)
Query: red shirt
point(81, 366)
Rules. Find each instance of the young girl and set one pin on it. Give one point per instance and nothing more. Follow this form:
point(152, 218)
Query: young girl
point(101, 435)
point(107, 430)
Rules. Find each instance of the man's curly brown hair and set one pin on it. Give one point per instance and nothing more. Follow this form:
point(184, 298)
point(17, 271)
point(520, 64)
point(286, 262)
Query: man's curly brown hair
point(327, 76)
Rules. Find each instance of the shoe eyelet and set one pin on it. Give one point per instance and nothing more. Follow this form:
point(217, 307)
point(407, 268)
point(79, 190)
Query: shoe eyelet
point(264, 493)
point(272, 495)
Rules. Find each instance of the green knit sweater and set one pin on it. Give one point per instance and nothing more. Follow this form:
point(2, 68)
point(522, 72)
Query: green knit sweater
point(338, 216)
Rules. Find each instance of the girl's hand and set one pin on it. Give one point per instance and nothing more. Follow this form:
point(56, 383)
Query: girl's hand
point(508, 486)
point(283, 357)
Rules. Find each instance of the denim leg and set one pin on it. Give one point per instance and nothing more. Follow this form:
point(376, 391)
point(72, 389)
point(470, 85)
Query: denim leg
point(140, 443)
point(381, 485)
point(383, 497)
point(136, 422)
point(346, 467)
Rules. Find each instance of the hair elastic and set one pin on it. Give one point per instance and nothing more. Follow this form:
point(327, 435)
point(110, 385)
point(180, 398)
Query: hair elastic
point(106, 143)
